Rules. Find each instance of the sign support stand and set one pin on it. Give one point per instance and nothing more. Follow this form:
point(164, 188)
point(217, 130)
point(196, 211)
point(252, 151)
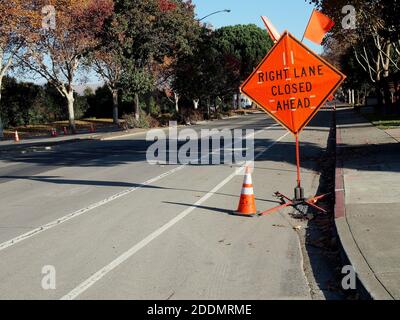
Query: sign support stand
point(299, 198)
point(298, 191)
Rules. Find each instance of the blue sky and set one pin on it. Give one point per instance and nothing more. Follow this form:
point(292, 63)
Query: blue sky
point(291, 15)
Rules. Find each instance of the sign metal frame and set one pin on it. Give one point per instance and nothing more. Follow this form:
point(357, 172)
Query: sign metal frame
point(299, 198)
point(286, 34)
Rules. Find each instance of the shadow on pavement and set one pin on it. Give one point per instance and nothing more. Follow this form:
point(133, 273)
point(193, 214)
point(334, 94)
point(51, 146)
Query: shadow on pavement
point(215, 209)
point(97, 153)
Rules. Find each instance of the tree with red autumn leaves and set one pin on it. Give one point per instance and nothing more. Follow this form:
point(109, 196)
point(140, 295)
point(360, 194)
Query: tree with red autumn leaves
point(166, 5)
point(57, 54)
point(16, 19)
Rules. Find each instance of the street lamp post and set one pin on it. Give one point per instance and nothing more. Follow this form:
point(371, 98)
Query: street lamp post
point(226, 10)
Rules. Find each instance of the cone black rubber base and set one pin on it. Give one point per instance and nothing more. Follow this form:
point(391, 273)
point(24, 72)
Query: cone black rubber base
point(251, 215)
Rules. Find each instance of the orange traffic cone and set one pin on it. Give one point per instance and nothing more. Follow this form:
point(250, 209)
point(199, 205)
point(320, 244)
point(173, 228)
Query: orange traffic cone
point(247, 204)
point(16, 136)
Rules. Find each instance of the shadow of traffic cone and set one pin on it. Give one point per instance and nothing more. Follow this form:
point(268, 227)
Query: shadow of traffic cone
point(16, 136)
point(247, 204)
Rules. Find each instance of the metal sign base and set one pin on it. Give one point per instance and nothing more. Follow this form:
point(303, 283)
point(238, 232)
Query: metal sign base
point(287, 202)
point(299, 198)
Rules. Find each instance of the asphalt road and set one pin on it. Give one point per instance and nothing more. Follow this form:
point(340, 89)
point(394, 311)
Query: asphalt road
point(115, 227)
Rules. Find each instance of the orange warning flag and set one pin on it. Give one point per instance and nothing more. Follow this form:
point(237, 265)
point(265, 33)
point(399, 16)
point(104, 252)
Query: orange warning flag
point(318, 26)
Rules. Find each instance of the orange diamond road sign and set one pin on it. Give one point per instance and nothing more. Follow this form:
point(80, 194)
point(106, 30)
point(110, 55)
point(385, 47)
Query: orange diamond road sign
point(292, 83)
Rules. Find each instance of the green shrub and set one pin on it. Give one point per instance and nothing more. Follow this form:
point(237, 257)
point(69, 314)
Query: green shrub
point(155, 109)
point(145, 121)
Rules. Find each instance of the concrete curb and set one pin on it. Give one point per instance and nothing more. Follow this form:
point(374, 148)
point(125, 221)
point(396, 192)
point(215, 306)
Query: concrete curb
point(34, 145)
point(368, 286)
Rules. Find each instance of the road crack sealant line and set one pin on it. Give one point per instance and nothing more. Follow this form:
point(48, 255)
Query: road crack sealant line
point(116, 196)
point(82, 287)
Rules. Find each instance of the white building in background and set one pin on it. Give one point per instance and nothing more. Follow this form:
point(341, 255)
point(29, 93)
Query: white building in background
point(244, 102)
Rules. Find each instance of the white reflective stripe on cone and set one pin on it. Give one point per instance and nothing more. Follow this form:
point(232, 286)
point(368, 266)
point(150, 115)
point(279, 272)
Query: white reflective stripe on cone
point(247, 191)
point(247, 179)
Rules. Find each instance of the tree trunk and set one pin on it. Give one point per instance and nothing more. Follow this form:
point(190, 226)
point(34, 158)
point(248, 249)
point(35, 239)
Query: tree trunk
point(196, 103)
point(379, 107)
point(386, 64)
point(115, 106)
point(1, 129)
point(136, 106)
point(1, 122)
point(176, 96)
point(71, 112)
point(387, 96)
point(3, 70)
point(148, 103)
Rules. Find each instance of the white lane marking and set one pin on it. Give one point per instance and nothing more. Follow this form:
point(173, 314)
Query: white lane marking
point(80, 212)
point(4, 164)
point(143, 243)
point(123, 136)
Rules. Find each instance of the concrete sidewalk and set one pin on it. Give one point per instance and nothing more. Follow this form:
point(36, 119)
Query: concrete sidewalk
point(368, 203)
